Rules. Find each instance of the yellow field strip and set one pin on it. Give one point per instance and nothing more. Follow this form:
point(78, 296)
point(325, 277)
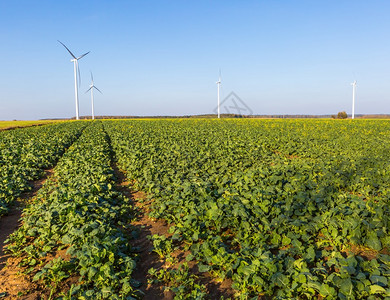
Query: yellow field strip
point(12, 124)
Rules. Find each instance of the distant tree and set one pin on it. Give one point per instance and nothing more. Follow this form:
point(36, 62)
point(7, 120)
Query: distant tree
point(342, 115)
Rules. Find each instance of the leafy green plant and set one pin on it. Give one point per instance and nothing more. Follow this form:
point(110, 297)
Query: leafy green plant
point(268, 202)
point(286, 209)
point(26, 152)
point(162, 245)
point(80, 211)
point(180, 281)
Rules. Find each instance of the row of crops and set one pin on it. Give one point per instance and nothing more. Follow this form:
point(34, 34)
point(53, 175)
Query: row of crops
point(73, 236)
point(284, 209)
point(25, 153)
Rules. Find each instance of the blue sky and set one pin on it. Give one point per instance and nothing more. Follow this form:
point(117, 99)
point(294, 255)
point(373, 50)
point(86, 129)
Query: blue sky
point(163, 57)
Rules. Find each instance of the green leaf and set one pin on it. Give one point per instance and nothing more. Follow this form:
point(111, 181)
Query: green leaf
point(373, 241)
point(203, 268)
point(346, 287)
point(38, 276)
point(286, 241)
point(91, 273)
point(189, 257)
point(66, 239)
point(176, 236)
point(301, 278)
point(379, 280)
point(326, 290)
point(377, 289)
point(311, 254)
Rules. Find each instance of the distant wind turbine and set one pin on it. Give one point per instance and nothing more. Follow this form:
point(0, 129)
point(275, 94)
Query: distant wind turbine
point(219, 86)
point(75, 61)
point(353, 98)
point(91, 87)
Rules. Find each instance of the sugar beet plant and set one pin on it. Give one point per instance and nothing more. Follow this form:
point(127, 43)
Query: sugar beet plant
point(25, 153)
point(286, 209)
point(79, 218)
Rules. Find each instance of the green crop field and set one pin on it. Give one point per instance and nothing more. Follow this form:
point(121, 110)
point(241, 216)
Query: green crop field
point(198, 209)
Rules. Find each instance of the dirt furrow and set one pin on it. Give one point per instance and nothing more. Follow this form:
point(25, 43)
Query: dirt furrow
point(142, 228)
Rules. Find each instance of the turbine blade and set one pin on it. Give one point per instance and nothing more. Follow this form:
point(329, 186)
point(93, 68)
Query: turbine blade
point(67, 49)
point(91, 77)
point(98, 90)
point(88, 89)
point(81, 56)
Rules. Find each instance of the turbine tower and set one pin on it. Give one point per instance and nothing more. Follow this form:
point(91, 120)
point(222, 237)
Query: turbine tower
point(353, 98)
point(91, 87)
point(219, 86)
point(75, 61)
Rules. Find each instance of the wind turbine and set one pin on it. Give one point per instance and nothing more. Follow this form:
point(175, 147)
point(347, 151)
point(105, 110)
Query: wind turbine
point(91, 87)
point(219, 86)
point(75, 61)
point(353, 98)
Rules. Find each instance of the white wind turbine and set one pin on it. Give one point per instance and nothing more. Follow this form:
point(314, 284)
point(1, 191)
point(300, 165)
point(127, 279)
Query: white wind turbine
point(353, 98)
point(75, 61)
point(219, 87)
point(91, 87)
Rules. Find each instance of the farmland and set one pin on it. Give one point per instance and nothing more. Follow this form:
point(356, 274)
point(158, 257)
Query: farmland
point(18, 124)
point(248, 209)
point(25, 153)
